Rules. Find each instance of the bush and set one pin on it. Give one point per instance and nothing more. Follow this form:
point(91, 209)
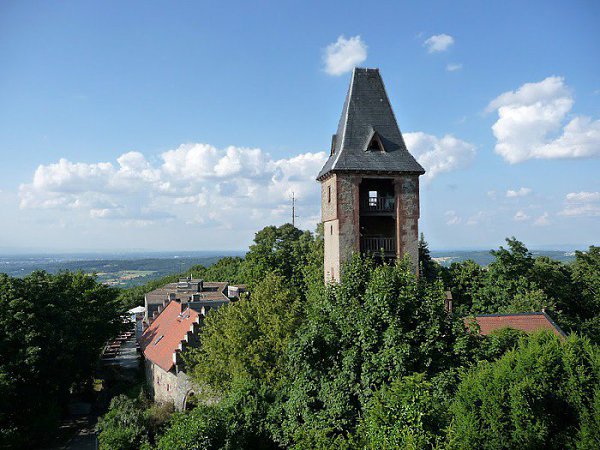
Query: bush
point(543, 394)
point(124, 426)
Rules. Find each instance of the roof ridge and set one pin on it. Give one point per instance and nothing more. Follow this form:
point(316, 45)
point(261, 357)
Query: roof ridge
point(533, 313)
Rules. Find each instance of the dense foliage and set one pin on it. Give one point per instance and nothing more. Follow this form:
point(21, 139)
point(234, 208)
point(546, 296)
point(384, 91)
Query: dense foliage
point(131, 423)
point(543, 394)
point(377, 362)
point(52, 330)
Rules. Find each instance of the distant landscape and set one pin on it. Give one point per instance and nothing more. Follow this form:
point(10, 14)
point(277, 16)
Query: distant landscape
point(134, 269)
point(119, 269)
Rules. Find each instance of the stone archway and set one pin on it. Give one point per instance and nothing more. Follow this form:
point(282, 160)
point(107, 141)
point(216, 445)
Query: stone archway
point(190, 401)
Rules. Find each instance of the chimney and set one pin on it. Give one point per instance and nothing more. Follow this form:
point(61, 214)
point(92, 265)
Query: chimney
point(448, 302)
point(200, 285)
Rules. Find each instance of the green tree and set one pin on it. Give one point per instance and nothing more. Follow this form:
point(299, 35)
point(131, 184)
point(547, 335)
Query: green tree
point(378, 325)
point(283, 249)
point(428, 267)
point(249, 338)
point(543, 394)
point(586, 277)
point(52, 331)
point(203, 428)
point(124, 426)
point(401, 415)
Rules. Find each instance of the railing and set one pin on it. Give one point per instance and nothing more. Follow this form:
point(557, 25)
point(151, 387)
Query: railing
point(377, 244)
point(378, 204)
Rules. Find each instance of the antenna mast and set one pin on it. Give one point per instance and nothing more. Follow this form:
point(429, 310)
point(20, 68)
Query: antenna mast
point(293, 209)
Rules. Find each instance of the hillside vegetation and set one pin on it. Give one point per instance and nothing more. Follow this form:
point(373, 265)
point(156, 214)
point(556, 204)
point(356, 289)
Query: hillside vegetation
point(376, 362)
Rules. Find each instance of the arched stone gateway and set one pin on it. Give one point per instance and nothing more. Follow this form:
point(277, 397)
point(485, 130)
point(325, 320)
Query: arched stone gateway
point(190, 401)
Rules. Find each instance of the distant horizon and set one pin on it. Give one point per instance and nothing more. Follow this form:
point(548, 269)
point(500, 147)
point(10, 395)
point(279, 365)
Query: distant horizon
point(141, 253)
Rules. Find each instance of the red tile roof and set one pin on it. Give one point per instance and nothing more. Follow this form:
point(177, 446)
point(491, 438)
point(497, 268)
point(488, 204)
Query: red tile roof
point(164, 335)
point(527, 322)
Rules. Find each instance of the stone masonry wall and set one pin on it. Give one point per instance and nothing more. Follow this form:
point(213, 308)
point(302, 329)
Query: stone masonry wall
point(407, 214)
point(348, 216)
point(168, 387)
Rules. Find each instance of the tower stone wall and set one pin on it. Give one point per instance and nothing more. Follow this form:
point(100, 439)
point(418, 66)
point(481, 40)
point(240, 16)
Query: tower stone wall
point(370, 183)
point(341, 216)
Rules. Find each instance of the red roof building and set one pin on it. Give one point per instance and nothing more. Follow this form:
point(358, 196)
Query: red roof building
point(174, 328)
point(528, 322)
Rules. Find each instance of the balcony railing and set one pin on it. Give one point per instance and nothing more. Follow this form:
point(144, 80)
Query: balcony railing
point(378, 244)
point(378, 204)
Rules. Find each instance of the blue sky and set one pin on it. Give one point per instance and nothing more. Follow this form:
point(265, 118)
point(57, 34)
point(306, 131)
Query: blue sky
point(186, 125)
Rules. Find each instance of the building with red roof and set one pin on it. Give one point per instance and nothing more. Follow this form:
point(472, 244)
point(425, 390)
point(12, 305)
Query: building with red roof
point(174, 329)
point(527, 322)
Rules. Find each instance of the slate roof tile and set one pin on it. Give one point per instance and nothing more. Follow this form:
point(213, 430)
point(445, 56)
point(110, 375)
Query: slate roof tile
point(367, 110)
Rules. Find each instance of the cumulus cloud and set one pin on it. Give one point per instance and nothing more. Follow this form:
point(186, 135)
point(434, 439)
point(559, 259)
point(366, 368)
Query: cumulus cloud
point(582, 204)
point(195, 182)
point(344, 54)
point(533, 124)
point(453, 67)
point(438, 43)
point(583, 197)
point(478, 218)
point(519, 192)
point(521, 216)
point(452, 218)
point(542, 220)
point(439, 155)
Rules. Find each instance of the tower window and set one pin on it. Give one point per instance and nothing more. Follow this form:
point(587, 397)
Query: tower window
point(331, 230)
point(373, 199)
point(329, 194)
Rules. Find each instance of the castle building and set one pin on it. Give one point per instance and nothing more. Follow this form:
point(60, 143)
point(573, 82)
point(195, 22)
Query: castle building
point(370, 183)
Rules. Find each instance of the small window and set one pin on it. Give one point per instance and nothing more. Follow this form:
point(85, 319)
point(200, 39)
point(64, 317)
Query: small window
point(329, 194)
point(373, 199)
point(331, 230)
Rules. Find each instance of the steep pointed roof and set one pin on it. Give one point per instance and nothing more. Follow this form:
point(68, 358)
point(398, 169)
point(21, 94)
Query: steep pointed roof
point(367, 113)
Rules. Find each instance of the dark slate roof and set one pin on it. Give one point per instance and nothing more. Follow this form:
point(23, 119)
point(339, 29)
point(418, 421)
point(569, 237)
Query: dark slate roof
point(367, 110)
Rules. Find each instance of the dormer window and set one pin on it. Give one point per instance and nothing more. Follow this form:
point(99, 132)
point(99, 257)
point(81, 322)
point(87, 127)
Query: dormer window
point(375, 144)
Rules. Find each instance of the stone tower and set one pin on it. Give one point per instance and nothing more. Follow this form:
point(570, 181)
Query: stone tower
point(370, 183)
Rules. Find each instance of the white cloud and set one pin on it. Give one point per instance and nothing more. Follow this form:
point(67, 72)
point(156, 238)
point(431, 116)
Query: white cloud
point(439, 155)
point(532, 124)
point(191, 182)
point(542, 220)
point(452, 218)
point(584, 210)
point(582, 204)
point(521, 216)
point(491, 194)
point(522, 192)
point(582, 197)
point(438, 43)
point(344, 54)
point(477, 218)
point(453, 67)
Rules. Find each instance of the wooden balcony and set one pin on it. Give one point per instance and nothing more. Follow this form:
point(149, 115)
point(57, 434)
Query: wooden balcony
point(378, 245)
point(378, 205)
